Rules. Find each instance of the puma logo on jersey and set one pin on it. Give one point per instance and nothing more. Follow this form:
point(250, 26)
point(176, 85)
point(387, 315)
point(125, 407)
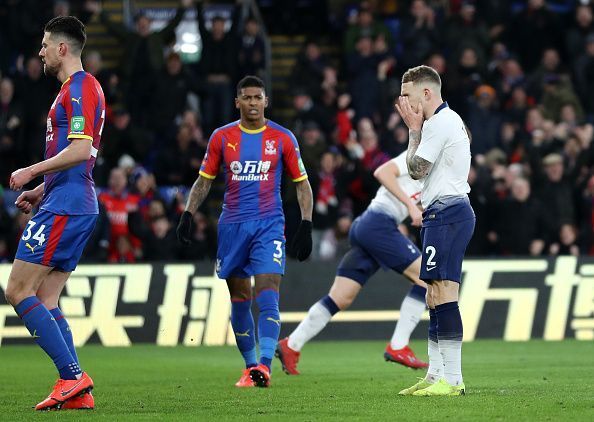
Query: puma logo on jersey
point(246, 334)
point(278, 261)
point(233, 146)
point(76, 100)
point(30, 247)
point(276, 321)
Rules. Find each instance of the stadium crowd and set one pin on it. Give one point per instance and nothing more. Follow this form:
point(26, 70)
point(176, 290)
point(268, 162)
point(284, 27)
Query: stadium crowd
point(521, 74)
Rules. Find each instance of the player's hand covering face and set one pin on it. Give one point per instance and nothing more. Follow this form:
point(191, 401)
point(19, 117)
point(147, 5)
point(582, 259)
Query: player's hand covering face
point(412, 115)
point(251, 103)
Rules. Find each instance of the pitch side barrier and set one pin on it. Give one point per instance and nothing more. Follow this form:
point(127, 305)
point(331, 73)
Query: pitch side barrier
point(186, 304)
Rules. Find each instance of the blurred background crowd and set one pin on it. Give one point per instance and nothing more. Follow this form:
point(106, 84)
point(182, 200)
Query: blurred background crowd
point(520, 73)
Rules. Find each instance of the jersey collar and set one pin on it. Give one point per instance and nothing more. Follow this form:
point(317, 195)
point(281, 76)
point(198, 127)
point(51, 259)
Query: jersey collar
point(441, 107)
point(252, 131)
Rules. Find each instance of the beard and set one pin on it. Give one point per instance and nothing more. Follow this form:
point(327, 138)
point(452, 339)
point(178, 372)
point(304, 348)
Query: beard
point(50, 70)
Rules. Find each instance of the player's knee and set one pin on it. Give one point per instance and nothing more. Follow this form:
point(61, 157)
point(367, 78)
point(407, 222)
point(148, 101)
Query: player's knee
point(343, 301)
point(241, 296)
point(50, 302)
point(14, 295)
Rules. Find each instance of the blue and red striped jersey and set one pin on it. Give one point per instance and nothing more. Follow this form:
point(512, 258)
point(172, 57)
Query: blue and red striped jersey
point(253, 162)
point(77, 112)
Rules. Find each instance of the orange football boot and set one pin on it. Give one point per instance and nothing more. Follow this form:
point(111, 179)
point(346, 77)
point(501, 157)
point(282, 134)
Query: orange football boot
point(85, 401)
point(288, 357)
point(404, 356)
point(245, 380)
point(260, 375)
point(64, 390)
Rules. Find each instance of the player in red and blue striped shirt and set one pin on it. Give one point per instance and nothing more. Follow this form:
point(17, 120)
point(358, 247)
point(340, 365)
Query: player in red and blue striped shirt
point(53, 241)
point(253, 152)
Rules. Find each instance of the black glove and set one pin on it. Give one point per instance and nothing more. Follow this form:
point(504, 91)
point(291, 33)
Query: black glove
point(302, 244)
point(184, 228)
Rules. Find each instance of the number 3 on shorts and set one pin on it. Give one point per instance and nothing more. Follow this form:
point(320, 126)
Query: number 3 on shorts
point(278, 254)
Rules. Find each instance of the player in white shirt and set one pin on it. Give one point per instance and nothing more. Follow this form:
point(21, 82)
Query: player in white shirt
point(439, 155)
point(375, 242)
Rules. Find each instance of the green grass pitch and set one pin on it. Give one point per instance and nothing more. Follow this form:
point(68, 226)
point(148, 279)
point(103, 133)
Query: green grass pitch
point(533, 381)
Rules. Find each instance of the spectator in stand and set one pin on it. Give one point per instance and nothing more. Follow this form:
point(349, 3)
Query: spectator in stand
point(170, 97)
point(191, 120)
point(93, 63)
point(558, 93)
point(308, 111)
point(550, 66)
point(463, 79)
point(483, 120)
point(365, 27)
point(556, 194)
point(11, 129)
point(576, 36)
point(312, 145)
point(180, 163)
point(566, 242)
point(97, 249)
point(204, 240)
point(326, 200)
point(145, 187)
point(124, 137)
point(252, 50)
point(159, 242)
point(522, 234)
point(118, 203)
point(363, 67)
point(517, 106)
point(308, 73)
point(143, 56)
point(509, 75)
point(218, 65)
point(584, 76)
point(419, 32)
point(35, 92)
point(533, 30)
point(464, 30)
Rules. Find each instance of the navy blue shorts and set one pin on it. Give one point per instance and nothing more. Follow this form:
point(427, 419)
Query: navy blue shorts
point(376, 242)
point(251, 248)
point(55, 240)
point(448, 225)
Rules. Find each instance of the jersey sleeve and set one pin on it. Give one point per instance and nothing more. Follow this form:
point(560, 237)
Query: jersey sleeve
point(212, 158)
point(292, 158)
point(400, 162)
point(81, 109)
point(432, 142)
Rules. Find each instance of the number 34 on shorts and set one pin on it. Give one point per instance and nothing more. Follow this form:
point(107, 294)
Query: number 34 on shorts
point(55, 240)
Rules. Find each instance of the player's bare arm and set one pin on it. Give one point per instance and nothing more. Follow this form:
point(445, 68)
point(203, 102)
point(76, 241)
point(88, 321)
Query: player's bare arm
point(77, 152)
point(387, 174)
point(305, 199)
point(198, 193)
point(413, 118)
point(30, 199)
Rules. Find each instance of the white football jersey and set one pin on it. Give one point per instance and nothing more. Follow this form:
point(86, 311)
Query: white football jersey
point(445, 143)
point(387, 203)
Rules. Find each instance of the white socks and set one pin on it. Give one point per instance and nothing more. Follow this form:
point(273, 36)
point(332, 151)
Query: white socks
point(315, 321)
point(435, 371)
point(411, 311)
point(451, 353)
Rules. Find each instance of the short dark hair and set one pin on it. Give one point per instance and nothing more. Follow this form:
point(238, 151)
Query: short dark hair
point(249, 82)
point(421, 74)
point(69, 27)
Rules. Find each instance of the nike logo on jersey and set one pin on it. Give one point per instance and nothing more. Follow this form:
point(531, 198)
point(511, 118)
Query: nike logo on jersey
point(430, 268)
point(76, 100)
point(276, 321)
point(30, 247)
point(233, 146)
point(278, 261)
point(246, 334)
